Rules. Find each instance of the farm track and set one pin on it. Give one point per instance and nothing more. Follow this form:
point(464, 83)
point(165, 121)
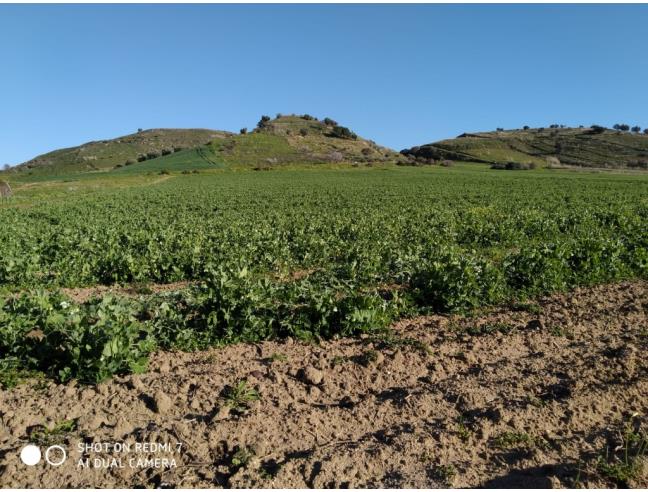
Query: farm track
point(525, 397)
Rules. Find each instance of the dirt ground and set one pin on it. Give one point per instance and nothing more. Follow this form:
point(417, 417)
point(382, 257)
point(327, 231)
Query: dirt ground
point(542, 395)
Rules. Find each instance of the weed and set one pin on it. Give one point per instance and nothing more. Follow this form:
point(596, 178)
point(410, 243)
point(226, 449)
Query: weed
point(514, 439)
point(277, 357)
point(463, 430)
point(488, 329)
point(339, 359)
point(529, 307)
point(368, 357)
point(43, 436)
point(625, 463)
point(242, 457)
point(561, 331)
point(391, 341)
point(11, 375)
point(444, 473)
point(238, 397)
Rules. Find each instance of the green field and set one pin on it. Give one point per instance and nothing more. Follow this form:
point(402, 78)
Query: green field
point(303, 253)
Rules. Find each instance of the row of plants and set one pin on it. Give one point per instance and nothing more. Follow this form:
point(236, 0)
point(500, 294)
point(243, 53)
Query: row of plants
point(302, 254)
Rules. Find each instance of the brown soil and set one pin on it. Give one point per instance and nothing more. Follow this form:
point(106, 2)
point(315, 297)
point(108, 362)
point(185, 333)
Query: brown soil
point(517, 397)
point(84, 294)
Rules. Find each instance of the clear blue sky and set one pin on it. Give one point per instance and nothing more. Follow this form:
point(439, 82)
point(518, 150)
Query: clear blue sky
point(401, 75)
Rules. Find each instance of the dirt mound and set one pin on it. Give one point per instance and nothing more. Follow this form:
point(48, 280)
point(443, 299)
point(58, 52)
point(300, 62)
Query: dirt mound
point(541, 395)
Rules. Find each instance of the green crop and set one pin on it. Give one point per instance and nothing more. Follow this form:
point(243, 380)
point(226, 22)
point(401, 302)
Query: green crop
point(309, 254)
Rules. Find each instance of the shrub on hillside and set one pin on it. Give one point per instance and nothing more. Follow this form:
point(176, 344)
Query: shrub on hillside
point(641, 164)
point(243, 131)
point(343, 132)
point(153, 154)
point(514, 166)
point(167, 151)
point(303, 132)
point(646, 131)
point(141, 158)
point(129, 162)
point(330, 122)
point(596, 129)
point(525, 127)
point(636, 129)
point(500, 129)
point(307, 117)
point(177, 149)
point(263, 122)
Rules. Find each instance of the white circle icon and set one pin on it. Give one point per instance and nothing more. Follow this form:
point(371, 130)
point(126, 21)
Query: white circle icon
point(62, 455)
point(30, 455)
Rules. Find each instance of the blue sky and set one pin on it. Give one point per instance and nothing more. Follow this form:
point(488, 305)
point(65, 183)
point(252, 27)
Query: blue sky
point(400, 75)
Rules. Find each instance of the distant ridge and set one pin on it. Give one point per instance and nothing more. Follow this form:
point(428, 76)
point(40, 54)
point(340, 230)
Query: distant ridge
point(595, 147)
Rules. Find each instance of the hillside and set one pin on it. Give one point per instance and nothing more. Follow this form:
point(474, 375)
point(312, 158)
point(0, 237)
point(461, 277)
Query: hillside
point(282, 141)
point(106, 154)
point(584, 147)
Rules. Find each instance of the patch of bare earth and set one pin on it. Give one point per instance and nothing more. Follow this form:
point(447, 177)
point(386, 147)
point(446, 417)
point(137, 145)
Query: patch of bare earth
point(530, 396)
point(84, 294)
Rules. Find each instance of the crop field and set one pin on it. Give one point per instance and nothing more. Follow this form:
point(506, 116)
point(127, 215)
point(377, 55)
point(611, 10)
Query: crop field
point(401, 326)
point(307, 254)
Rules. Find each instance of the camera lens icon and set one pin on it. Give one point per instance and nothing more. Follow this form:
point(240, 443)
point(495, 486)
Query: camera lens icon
point(31, 455)
point(55, 455)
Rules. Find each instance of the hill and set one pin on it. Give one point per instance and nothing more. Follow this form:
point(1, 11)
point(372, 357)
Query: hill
point(585, 147)
point(284, 140)
point(106, 154)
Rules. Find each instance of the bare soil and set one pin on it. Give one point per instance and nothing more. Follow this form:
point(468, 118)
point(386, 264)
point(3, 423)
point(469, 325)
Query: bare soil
point(521, 396)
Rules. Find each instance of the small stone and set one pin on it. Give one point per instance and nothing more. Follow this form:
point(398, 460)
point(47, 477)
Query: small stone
point(535, 324)
point(222, 413)
point(165, 366)
point(162, 402)
point(380, 358)
point(310, 375)
point(257, 375)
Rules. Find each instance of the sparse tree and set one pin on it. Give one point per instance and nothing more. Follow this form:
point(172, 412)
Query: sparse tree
point(263, 122)
point(343, 132)
point(645, 131)
point(636, 129)
point(525, 127)
point(500, 129)
point(139, 130)
point(330, 122)
point(243, 131)
point(596, 129)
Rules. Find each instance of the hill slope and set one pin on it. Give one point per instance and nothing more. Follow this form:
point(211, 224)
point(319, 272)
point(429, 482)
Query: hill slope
point(571, 146)
point(284, 140)
point(106, 154)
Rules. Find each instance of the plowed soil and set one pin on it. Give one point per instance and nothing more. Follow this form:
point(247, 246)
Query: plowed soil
point(549, 394)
